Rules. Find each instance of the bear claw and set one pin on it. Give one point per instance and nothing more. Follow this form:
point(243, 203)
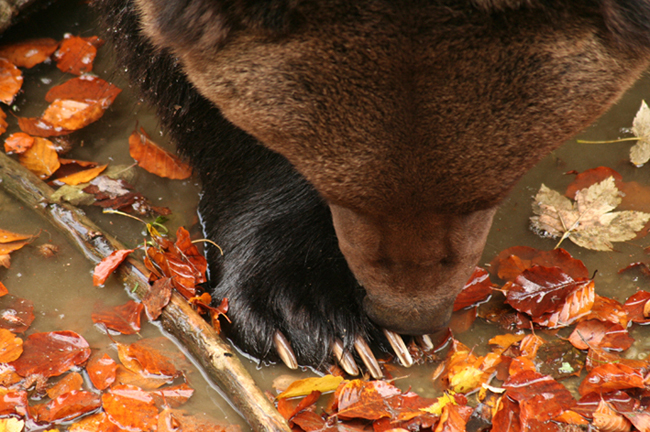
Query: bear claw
point(398, 345)
point(368, 358)
point(284, 350)
point(344, 358)
point(425, 342)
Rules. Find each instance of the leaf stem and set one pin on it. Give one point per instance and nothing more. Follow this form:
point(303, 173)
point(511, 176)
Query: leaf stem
point(608, 142)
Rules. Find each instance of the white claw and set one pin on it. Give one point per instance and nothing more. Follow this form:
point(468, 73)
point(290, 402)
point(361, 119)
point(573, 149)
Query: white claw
point(284, 350)
point(364, 351)
point(425, 342)
point(345, 359)
point(399, 347)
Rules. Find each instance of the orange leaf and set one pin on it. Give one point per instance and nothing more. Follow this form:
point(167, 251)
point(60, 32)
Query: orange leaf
point(8, 236)
point(41, 158)
point(72, 381)
point(125, 376)
point(130, 408)
point(598, 334)
point(3, 291)
point(101, 371)
point(607, 309)
point(68, 406)
point(3, 122)
point(94, 423)
point(72, 115)
point(29, 53)
point(511, 262)
point(11, 347)
point(157, 297)
point(16, 314)
point(611, 376)
point(590, 177)
point(108, 265)
point(608, 420)
point(173, 421)
point(86, 88)
point(635, 306)
point(173, 396)
point(83, 176)
point(123, 318)
point(476, 290)
point(76, 54)
point(11, 80)
point(18, 143)
point(7, 248)
point(39, 127)
point(13, 403)
point(598, 357)
point(156, 160)
point(151, 359)
point(51, 354)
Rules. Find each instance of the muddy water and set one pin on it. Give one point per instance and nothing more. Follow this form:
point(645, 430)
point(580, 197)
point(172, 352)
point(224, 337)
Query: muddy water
point(61, 287)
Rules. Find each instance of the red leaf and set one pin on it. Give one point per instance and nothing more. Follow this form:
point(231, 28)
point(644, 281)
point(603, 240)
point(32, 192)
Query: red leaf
point(108, 265)
point(11, 80)
point(101, 371)
point(157, 297)
point(76, 54)
point(513, 261)
point(635, 305)
point(156, 160)
point(13, 403)
point(68, 406)
point(16, 314)
point(29, 53)
point(598, 334)
point(122, 318)
point(51, 354)
point(130, 408)
point(86, 88)
point(591, 177)
point(611, 376)
point(476, 290)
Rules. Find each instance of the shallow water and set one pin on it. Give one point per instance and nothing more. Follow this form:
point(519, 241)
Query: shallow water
point(61, 287)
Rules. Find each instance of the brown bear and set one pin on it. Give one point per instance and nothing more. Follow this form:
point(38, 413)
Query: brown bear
point(353, 153)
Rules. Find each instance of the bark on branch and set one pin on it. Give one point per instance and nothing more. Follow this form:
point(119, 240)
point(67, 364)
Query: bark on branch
point(178, 318)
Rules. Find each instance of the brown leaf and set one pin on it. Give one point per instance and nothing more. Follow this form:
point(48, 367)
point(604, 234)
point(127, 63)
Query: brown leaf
point(51, 354)
point(130, 408)
point(173, 396)
point(41, 158)
point(608, 420)
point(86, 88)
point(590, 177)
point(68, 406)
point(101, 371)
point(156, 160)
point(38, 127)
point(16, 314)
point(72, 115)
point(125, 376)
point(11, 347)
point(506, 418)
point(122, 318)
point(598, 334)
point(157, 297)
point(18, 143)
point(11, 80)
point(607, 309)
point(108, 265)
point(76, 54)
point(29, 53)
point(70, 382)
point(83, 176)
point(598, 357)
point(635, 305)
point(151, 360)
point(611, 376)
point(477, 290)
point(8, 236)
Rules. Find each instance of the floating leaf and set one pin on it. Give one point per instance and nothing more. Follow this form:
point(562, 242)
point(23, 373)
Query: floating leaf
point(157, 297)
point(636, 305)
point(606, 309)
point(11, 80)
point(38, 127)
point(11, 347)
point(13, 403)
point(51, 354)
point(150, 359)
point(18, 143)
point(101, 371)
point(305, 386)
point(122, 318)
point(108, 265)
point(29, 53)
point(86, 88)
point(476, 290)
point(589, 221)
point(41, 158)
point(173, 396)
point(72, 115)
point(76, 54)
point(83, 176)
point(156, 160)
point(68, 406)
point(511, 262)
point(70, 382)
point(130, 408)
point(612, 376)
point(16, 314)
point(606, 419)
point(640, 152)
point(599, 334)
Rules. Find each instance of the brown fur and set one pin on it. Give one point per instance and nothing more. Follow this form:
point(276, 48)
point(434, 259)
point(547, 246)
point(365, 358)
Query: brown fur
point(413, 119)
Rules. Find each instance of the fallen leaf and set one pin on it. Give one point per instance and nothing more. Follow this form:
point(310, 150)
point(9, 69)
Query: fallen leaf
point(477, 290)
point(611, 376)
point(599, 334)
point(172, 421)
point(607, 419)
point(123, 318)
point(130, 408)
point(68, 406)
point(3, 289)
point(640, 152)
point(38, 127)
point(11, 347)
point(157, 297)
point(83, 176)
point(18, 143)
point(3, 122)
point(108, 265)
point(86, 88)
point(598, 357)
point(11, 80)
point(559, 359)
point(12, 425)
point(16, 314)
point(589, 221)
point(41, 158)
point(94, 423)
point(72, 115)
point(124, 376)
point(590, 177)
point(607, 309)
point(101, 371)
point(151, 361)
point(51, 353)
point(76, 54)
point(511, 262)
point(635, 306)
point(173, 396)
point(305, 386)
point(13, 402)
point(156, 160)
point(70, 382)
point(29, 53)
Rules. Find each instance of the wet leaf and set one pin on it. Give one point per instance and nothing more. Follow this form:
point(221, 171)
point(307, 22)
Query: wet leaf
point(86, 88)
point(559, 359)
point(305, 386)
point(76, 54)
point(635, 306)
point(16, 314)
point(465, 371)
point(150, 359)
point(476, 290)
point(68, 406)
point(11, 80)
point(51, 353)
point(454, 418)
point(125, 376)
point(130, 408)
point(101, 371)
point(3, 291)
point(550, 296)
point(173, 396)
point(13, 402)
point(41, 158)
point(38, 127)
point(589, 222)
point(117, 194)
point(95, 423)
point(83, 176)
point(607, 419)
point(156, 160)
point(290, 407)
point(123, 318)
point(72, 115)
point(640, 152)
point(173, 421)
point(157, 297)
point(11, 425)
point(70, 382)
point(599, 334)
point(108, 265)
point(612, 376)
point(18, 143)
point(506, 419)
point(503, 342)
point(598, 357)
point(607, 309)
point(29, 53)
point(3, 122)
point(511, 262)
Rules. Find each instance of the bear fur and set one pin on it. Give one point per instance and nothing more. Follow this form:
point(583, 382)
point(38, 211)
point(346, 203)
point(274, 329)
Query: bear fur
point(353, 153)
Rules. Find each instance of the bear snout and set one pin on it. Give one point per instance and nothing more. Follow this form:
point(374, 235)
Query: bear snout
point(412, 265)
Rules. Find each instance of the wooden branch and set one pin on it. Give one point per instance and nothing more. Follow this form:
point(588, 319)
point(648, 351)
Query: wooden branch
point(178, 318)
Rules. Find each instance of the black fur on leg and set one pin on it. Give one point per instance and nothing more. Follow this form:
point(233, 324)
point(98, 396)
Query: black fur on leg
point(282, 268)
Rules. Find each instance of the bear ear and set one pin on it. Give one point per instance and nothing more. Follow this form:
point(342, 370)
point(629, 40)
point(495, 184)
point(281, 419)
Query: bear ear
point(209, 22)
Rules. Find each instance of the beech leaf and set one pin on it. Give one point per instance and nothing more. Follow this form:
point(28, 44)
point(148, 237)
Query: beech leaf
point(589, 221)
